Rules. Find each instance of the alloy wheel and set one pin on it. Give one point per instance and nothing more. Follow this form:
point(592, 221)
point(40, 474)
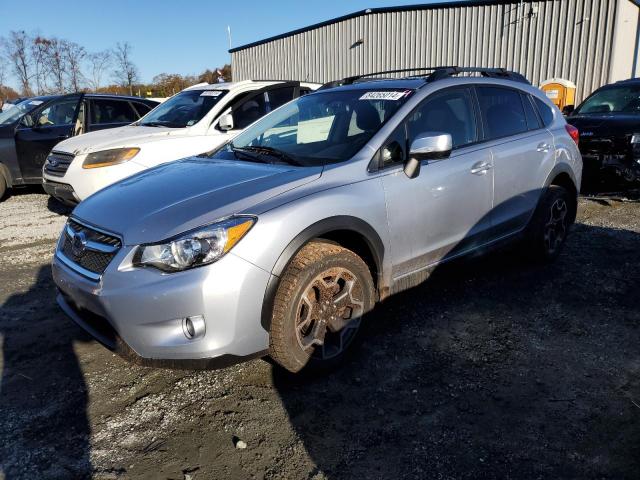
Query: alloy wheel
point(329, 313)
point(555, 230)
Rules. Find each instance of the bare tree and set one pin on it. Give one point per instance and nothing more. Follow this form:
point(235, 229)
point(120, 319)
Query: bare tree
point(125, 73)
point(99, 63)
point(74, 55)
point(17, 51)
point(54, 61)
point(38, 58)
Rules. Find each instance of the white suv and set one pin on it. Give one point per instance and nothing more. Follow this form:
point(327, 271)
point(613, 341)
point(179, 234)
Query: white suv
point(196, 120)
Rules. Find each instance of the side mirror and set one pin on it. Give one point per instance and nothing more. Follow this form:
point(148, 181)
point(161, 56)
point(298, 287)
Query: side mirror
point(568, 110)
point(226, 122)
point(427, 146)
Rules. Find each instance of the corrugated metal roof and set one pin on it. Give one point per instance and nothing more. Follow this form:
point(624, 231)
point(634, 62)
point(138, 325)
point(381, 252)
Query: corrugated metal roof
point(403, 8)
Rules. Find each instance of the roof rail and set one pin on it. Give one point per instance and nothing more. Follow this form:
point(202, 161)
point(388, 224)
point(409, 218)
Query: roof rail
point(436, 73)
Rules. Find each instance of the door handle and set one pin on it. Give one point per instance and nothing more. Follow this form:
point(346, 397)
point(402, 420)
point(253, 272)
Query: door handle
point(480, 168)
point(543, 147)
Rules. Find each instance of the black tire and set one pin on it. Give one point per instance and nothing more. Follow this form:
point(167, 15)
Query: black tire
point(548, 229)
point(321, 300)
point(3, 186)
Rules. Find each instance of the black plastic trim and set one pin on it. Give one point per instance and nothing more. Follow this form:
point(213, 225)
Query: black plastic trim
point(316, 230)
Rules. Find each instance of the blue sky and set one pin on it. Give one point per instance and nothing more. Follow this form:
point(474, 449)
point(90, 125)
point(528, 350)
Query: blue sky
point(182, 39)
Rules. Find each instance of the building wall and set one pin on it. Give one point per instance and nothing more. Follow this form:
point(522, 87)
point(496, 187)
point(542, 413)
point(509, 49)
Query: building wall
point(572, 39)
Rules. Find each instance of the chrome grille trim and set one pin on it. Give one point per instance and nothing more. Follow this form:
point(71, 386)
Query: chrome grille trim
point(58, 163)
point(93, 254)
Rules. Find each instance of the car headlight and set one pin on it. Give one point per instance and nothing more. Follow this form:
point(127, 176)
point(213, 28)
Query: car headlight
point(106, 158)
point(196, 248)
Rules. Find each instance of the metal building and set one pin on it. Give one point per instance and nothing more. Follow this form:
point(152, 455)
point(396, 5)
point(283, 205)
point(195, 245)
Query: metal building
point(589, 42)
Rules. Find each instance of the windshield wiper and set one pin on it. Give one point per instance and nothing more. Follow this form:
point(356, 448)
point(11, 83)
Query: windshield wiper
point(158, 124)
point(274, 152)
point(248, 154)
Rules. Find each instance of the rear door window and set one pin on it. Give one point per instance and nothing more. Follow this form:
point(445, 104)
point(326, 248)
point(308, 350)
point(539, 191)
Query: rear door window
point(502, 112)
point(104, 111)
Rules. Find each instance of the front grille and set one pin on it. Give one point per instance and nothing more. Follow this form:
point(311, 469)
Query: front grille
point(58, 163)
point(99, 250)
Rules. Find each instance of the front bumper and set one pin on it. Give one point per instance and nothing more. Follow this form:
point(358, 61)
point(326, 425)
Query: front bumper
point(62, 192)
point(138, 312)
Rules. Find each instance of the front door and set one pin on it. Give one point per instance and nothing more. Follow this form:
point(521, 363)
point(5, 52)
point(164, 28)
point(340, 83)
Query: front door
point(446, 209)
point(39, 132)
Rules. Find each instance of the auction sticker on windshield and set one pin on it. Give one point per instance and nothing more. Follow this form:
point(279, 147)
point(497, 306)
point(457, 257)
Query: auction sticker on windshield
point(211, 93)
point(384, 95)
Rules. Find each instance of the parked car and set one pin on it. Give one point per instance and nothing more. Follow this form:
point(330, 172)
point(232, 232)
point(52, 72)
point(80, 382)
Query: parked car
point(30, 130)
point(609, 124)
point(279, 242)
point(196, 120)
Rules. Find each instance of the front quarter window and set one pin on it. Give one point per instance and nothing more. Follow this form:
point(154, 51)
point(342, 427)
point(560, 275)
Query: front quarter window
point(320, 128)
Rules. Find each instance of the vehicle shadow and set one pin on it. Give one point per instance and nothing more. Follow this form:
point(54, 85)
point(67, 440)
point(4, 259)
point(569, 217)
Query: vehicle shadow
point(44, 429)
point(493, 368)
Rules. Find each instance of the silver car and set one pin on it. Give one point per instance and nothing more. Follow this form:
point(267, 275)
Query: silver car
point(281, 241)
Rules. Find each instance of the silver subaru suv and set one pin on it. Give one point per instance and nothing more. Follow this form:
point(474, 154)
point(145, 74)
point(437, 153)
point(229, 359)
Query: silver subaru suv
point(282, 240)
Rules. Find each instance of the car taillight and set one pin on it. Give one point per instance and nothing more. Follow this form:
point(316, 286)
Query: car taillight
point(573, 133)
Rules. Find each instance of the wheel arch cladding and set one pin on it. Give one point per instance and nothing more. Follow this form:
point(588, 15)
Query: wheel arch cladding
point(349, 232)
point(563, 179)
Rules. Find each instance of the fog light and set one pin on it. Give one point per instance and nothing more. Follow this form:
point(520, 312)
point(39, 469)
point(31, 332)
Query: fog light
point(193, 327)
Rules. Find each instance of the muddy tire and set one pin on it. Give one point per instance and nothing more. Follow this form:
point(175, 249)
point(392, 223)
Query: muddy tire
point(319, 307)
point(550, 224)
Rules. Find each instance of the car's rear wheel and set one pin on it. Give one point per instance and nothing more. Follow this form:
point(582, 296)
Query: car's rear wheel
point(319, 306)
point(550, 224)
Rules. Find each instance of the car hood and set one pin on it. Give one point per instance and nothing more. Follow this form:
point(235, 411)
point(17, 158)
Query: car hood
point(605, 124)
point(173, 198)
point(127, 136)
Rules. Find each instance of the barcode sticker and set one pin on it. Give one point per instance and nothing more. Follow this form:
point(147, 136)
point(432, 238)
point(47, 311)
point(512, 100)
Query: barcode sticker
point(211, 93)
point(384, 95)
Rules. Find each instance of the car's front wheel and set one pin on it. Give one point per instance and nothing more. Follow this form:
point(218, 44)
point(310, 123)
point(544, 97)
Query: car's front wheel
point(319, 306)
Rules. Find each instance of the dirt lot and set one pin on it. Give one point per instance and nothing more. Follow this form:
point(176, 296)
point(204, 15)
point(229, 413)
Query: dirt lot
point(493, 368)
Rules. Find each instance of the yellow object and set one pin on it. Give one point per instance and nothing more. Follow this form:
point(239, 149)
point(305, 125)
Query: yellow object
point(235, 233)
point(560, 91)
point(106, 158)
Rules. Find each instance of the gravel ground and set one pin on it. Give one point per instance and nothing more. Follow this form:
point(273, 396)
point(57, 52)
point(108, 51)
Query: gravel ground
point(494, 368)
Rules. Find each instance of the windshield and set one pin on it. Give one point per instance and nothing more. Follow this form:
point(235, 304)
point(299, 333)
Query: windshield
point(14, 113)
point(317, 129)
point(609, 100)
point(184, 109)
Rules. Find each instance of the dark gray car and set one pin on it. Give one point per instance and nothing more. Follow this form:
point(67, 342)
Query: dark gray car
point(30, 129)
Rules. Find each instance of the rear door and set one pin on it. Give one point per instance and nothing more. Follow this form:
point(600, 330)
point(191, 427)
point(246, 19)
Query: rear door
point(522, 150)
point(110, 113)
point(446, 209)
point(38, 133)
